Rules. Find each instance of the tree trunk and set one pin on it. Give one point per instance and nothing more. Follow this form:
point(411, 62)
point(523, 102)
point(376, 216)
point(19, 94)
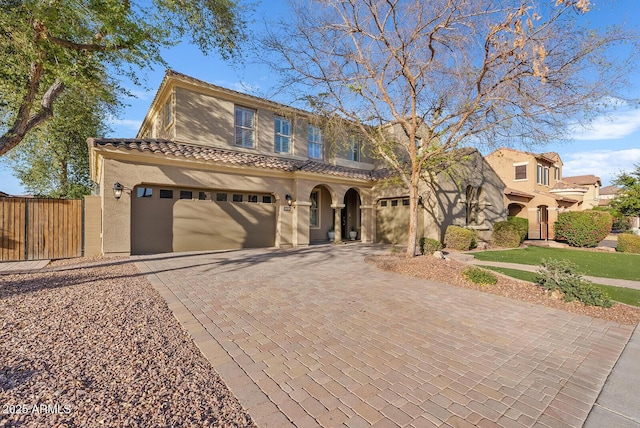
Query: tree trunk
point(412, 241)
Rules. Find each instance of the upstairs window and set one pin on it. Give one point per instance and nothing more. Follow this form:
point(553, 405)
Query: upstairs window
point(521, 172)
point(355, 149)
point(167, 113)
point(542, 175)
point(315, 142)
point(282, 141)
point(245, 127)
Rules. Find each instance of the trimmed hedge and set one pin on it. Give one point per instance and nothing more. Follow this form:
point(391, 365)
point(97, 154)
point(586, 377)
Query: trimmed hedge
point(628, 243)
point(506, 234)
point(459, 238)
point(429, 245)
point(523, 226)
point(583, 228)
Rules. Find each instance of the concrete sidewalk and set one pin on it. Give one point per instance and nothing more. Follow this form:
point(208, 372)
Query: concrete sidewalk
point(29, 266)
point(617, 405)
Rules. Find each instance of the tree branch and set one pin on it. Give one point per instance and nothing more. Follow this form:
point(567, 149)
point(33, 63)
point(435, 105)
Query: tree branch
point(25, 121)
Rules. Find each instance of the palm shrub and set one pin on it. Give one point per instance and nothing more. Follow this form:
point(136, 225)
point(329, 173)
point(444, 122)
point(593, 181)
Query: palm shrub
point(583, 228)
point(506, 234)
point(628, 243)
point(459, 238)
point(429, 245)
point(522, 224)
point(563, 276)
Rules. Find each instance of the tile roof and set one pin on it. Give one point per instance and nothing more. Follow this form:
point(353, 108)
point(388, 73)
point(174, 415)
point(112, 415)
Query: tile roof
point(515, 192)
point(230, 157)
point(609, 190)
point(582, 179)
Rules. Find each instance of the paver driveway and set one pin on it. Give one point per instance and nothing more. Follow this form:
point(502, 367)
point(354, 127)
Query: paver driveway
point(317, 337)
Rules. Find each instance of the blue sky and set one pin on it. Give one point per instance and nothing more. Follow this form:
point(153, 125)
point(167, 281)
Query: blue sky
point(611, 145)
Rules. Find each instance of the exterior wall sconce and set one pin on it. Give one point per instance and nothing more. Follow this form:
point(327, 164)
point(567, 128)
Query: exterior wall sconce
point(117, 190)
point(289, 199)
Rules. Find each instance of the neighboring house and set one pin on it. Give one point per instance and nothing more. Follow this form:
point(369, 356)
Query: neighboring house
point(606, 194)
point(212, 168)
point(4, 195)
point(584, 188)
point(531, 179)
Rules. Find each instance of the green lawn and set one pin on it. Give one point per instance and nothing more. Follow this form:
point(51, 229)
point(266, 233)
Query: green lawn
point(592, 263)
point(629, 296)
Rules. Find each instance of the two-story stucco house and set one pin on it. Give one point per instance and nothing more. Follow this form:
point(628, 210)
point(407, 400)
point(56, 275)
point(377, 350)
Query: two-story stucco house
point(212, 168)
point(536, 189)
point(529, 178)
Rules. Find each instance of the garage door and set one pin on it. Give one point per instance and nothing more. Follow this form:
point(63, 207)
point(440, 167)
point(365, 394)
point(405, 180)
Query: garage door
point(166, 219)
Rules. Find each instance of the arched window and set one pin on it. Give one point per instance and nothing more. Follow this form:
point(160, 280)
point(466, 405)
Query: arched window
point(473, 195)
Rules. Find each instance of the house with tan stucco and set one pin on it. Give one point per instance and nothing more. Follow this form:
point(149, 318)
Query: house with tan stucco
point(212, 168)
point(537, 190)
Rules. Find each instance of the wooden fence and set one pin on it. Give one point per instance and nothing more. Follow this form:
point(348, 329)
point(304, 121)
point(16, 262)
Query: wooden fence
point(36, 229)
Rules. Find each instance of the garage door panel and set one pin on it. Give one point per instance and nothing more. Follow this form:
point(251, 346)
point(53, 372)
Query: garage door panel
point(208, 225)
point(166, 225)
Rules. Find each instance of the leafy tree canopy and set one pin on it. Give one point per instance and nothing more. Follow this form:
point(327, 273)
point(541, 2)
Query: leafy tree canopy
point(627, 201)
point(52, 46)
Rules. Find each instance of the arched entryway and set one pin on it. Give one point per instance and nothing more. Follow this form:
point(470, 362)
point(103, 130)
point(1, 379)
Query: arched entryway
point(515, 210)
point(350, 216)
point(321, 218)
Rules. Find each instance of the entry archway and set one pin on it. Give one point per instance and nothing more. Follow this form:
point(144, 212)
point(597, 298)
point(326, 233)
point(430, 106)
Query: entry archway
point(350, 217)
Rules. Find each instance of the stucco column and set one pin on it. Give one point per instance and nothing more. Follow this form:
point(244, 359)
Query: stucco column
point(337, 221)
point(366, 223)
point(116, 214)
point(301, 223)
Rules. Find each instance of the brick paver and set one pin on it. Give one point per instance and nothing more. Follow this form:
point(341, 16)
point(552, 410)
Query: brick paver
point(317, 337)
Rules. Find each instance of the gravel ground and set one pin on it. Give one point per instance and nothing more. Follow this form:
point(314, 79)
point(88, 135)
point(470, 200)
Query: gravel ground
point(93, 344)
point(450, 272)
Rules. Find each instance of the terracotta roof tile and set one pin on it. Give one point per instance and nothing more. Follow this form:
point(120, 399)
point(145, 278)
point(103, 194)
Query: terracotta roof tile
point(582, 179)
point(213, 154)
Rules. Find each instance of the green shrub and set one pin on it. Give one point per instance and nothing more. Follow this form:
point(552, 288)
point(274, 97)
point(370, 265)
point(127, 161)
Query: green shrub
point(459, 238)
point(562, 275)
point(523, 226)
point(583, 228)
point(628, 243)
point(479, 276)
point(429, 245)
point(506, 234)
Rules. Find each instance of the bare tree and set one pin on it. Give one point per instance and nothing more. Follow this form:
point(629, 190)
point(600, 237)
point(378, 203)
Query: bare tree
point(421, 78)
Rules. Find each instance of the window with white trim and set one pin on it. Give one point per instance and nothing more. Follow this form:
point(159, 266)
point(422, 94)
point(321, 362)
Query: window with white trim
point(244, 126)
point(520, 172)
point(315, 142)
point(314, 212)
point(282, 140)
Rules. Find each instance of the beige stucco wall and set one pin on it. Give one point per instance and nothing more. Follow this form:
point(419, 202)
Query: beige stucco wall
point(443, 203)
point(291, 227)
point(92, 226)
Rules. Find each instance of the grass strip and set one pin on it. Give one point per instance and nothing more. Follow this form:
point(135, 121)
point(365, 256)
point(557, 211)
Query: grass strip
point(591, 263)
point(630, 296)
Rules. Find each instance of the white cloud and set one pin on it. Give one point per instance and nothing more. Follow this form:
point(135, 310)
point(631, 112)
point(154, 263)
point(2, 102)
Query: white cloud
point(612, 126)
point(605, 164)
point(124, 128)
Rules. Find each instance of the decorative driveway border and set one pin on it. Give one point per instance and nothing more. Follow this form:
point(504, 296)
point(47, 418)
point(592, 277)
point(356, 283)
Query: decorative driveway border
point(317, 337)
